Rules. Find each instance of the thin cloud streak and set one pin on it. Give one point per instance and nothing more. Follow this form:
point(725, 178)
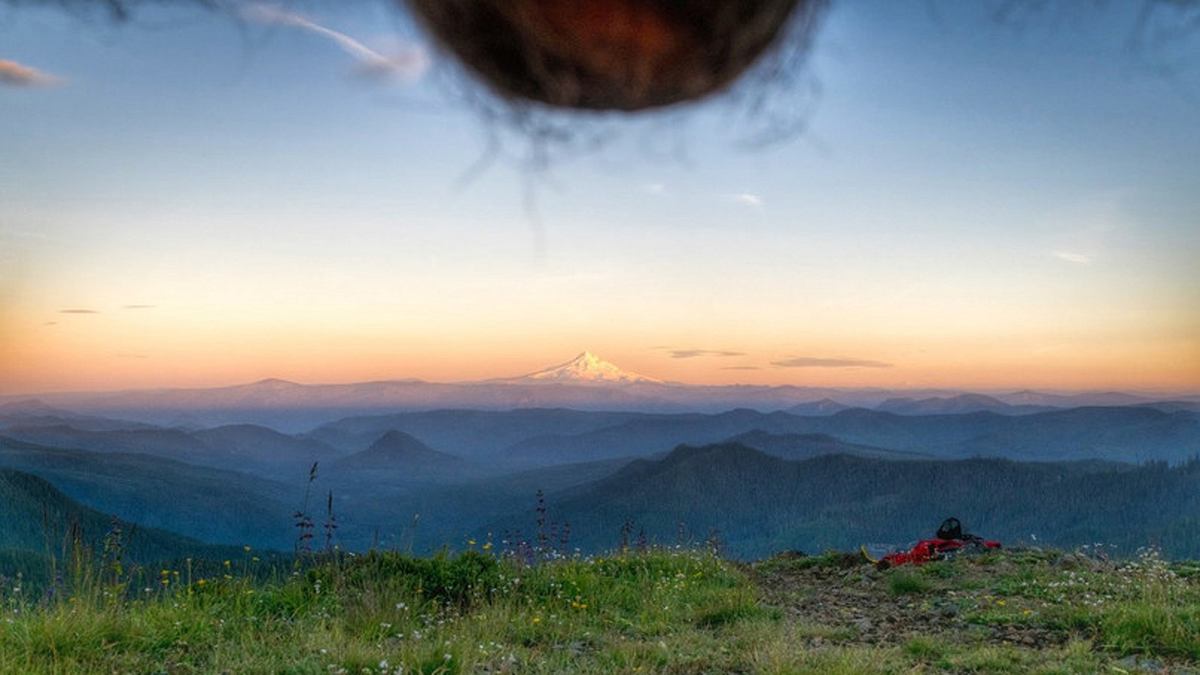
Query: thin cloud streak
point(741, 368)
point(1074, 258)
point(693, 353)
point(14, 74)
point(749, 199)
point(816, 362)
point(139, 306)
point(409, 65)
point(77, 311)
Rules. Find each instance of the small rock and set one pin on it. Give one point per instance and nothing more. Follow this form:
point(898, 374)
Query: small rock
point(1138, 664)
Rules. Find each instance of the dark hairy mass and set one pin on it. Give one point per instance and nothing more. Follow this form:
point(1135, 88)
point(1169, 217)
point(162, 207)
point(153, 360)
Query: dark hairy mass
point(611, 54)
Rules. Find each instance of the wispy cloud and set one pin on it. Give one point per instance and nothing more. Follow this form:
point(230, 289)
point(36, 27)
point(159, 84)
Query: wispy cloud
point(741, 368)
point(139, 306)
point(693, 353)
point(15, 74)
point(49, 323)
point(1074, 258)
point(750, 199)
point(77, 311)
point(654, 188)
point(409, 63)
point(817, 362)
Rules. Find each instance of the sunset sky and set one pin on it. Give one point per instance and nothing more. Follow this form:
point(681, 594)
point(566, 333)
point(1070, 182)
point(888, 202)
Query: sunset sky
point(203, 199)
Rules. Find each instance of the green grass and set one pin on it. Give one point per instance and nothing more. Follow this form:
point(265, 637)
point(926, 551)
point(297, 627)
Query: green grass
point(1145, 606)
point(443, 614)
point(675, 612)
point(796, 562)
point(907, 582)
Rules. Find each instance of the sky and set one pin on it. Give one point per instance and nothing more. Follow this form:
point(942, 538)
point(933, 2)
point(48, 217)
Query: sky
point(201, 198)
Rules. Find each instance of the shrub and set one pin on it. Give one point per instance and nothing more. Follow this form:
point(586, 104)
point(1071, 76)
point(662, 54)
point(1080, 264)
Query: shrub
point(459, 580)
point(906, 583)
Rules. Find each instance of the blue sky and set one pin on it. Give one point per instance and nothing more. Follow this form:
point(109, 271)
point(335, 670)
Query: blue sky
point(971, 203)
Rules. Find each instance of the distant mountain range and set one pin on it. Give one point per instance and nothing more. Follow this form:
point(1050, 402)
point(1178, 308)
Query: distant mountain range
point(1126, 434)
point(756, 504)
point(957, 405)
point(586, 382)
point(868, 465)
point(807, 446)
point(243, 447)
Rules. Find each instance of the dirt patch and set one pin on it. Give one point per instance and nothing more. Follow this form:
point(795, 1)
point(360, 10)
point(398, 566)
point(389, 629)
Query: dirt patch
point(844, 599)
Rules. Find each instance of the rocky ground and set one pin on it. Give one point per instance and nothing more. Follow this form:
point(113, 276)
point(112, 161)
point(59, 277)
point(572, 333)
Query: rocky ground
point(1029, 600)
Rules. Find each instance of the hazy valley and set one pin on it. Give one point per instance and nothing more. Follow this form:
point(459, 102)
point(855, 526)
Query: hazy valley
point(808, 475)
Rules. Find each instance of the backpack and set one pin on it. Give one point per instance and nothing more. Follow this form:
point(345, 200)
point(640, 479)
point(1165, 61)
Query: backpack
point(950, 529)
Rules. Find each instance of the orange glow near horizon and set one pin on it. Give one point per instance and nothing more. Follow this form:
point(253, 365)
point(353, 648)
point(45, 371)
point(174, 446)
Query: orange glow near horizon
point(88, 321)
point(114, 348)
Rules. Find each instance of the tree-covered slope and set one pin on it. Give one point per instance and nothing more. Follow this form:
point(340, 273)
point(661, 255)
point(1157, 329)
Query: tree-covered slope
point(759, 504)
point(35, 517)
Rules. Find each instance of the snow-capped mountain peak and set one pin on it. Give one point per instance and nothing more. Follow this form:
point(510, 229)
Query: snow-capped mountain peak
point(587, 367)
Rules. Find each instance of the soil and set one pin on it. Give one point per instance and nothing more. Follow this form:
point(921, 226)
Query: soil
point(851, 602)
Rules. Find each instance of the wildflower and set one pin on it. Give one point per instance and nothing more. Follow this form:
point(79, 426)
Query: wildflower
point(246, 548)
point(383, 664)
point(537, 619)
point(201, 582)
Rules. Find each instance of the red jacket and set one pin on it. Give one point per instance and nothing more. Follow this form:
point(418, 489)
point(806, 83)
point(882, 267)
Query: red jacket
point(935, 549)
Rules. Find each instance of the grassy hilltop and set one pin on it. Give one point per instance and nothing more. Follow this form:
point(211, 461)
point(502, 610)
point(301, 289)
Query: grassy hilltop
point(649, 611)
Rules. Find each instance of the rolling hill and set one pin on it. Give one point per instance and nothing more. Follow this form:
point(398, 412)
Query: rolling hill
point(35, 413)
point(35, 517)
point(476, 434)
point(212, 505)
point(956, 405)
point(248, 447)
point(807, 446)
point(759, 503)
point(1125, 434)
point(242, 447)
point(404, 457)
